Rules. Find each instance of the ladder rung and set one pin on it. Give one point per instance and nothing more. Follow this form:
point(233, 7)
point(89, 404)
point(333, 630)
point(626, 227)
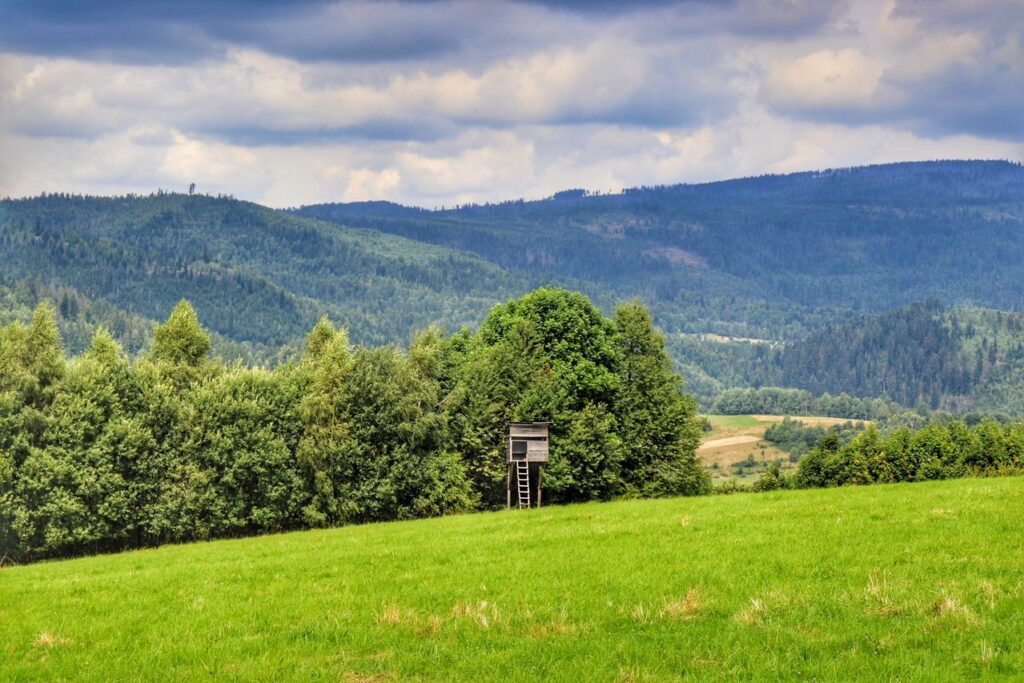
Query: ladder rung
point(523, 484)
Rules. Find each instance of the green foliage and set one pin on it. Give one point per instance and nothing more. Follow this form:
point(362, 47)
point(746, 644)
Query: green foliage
point(588, 463)
point(620, 422)
point(659, 424)
point(105, 453)
point(577, 341)
point(937, 451)
point(393, 457)
point(796, 438)
point(788, 401)
point(772, 479)
point(181, 340)
point(321, 450)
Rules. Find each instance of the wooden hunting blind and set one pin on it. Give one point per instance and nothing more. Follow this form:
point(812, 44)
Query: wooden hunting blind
point(527, 445)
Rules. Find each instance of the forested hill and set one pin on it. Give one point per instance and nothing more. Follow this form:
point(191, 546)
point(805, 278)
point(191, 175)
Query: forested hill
point(750, 256)
point(256, 275)
point(800, 263)
point(958, 359)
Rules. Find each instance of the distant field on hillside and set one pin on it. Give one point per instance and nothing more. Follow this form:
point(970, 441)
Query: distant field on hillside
point(909, 582)
point(740, 438)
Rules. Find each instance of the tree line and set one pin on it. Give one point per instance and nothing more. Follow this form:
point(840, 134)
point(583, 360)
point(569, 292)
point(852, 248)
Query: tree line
point(940, 450)
point(102, 453)
point(787, 401)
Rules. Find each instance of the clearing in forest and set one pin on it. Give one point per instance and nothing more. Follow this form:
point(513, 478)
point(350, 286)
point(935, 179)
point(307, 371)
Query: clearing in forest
point(739, 439)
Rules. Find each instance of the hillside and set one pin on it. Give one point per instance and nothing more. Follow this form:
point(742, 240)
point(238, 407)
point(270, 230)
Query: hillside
point(777, 280)
point(762, 257)
point(257, 275)
point(772, 257)
point(741, 447)
point(862, 583)
point(962, 358)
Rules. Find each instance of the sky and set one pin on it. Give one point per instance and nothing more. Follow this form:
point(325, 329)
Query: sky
point(444, 102)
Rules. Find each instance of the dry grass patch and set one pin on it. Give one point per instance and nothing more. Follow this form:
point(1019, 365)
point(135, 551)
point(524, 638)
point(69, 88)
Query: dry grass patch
point(988, 653)
point(431, 627)
point(670, 610)
point(633, 676)
point(354, 677)
point(989, 591)
point(554, 628)
point(685, 608)
point(754, 614)
point(47, 640)
point(641, 613)
point(484, 614)
point(876, 593)
point(562, 625)
point(950, 608)
point(394, 615)
point(884, 644)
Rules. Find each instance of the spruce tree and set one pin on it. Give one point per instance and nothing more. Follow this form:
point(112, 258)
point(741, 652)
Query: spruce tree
point(181, 340)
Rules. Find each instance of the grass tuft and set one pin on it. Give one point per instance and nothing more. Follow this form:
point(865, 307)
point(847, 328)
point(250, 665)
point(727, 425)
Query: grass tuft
point(950, 607)
point(685, 608)
point(754, 614)
point(47, 641)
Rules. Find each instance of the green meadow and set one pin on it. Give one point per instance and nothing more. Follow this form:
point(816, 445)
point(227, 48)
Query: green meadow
point(733, 421)
point(889, 582)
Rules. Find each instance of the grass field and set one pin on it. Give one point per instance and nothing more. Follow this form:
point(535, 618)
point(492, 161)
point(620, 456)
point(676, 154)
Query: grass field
point(738, 438)
point(899, 582)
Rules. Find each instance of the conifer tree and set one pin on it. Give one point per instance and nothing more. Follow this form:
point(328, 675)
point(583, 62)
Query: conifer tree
point(181, 340)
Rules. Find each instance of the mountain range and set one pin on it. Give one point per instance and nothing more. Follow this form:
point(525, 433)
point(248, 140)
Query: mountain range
point(749, 265)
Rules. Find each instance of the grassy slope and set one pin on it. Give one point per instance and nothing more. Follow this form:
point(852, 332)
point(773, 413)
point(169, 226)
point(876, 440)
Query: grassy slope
point(919, 581)
point(731, 439)
point(734, 437)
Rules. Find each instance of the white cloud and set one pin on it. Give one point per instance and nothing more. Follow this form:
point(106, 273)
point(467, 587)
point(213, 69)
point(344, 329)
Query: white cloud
point(825, 79)
point(366, 184)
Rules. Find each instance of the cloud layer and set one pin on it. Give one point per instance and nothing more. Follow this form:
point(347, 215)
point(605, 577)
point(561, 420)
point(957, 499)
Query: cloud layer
point(451, 101)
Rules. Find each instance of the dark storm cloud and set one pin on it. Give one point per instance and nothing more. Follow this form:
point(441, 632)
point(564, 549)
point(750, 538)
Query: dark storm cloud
point(114, 30)
point(989, 104)
point(991, 15)
point(419, 131)
point(762, 19)
point(166, 32)
point(179, 32)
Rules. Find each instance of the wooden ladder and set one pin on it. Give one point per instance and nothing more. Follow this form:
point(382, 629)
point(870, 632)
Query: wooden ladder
point(523, 481)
